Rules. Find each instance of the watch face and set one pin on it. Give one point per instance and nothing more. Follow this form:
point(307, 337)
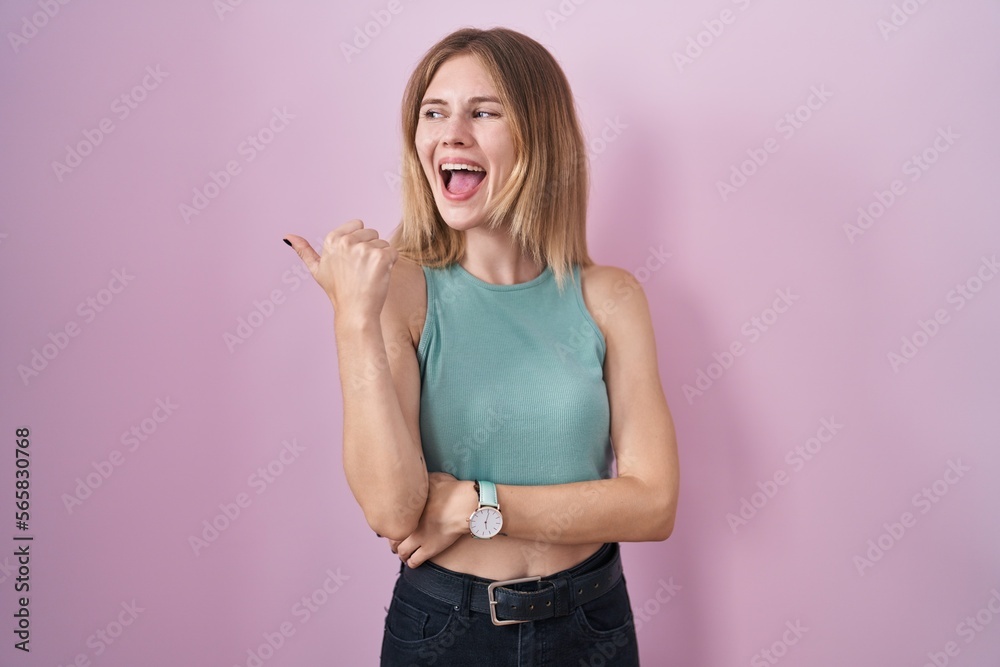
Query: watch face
point(485, 522)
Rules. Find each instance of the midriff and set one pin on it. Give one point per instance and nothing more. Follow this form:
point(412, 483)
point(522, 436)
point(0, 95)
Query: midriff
point(511, 558)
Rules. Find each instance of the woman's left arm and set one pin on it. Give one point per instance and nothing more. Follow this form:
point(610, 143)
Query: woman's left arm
point(639, 504)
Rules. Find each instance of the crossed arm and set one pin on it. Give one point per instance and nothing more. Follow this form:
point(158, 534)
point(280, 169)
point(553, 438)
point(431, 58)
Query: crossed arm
point(430, 511)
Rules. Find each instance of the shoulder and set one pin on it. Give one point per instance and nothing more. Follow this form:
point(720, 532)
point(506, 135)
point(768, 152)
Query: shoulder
point(406, 301)
point(614, 298)
point(604, 280)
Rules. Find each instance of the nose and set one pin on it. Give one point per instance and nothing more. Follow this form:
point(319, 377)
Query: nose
point(457, 131)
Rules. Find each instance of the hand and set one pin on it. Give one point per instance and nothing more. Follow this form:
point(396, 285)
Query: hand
point(353, 270)
point(450, 503)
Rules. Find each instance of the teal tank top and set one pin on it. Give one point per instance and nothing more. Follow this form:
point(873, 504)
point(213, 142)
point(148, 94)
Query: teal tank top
point(512, 381)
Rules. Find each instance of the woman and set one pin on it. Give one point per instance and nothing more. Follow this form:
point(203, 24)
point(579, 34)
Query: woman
point(491, 374)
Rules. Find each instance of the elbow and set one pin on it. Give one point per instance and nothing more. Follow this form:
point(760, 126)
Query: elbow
point(663, 530)
point(662, 522)
point(398, 519)
point(393, 530)
point(393, 525)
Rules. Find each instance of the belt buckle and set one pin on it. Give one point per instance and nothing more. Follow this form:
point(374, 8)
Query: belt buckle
point(493, 602)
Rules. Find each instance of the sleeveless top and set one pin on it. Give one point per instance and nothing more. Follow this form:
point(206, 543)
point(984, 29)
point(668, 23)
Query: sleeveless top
point(512, 381)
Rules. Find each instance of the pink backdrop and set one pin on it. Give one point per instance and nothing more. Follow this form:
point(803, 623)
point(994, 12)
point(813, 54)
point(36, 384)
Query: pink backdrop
point(806, 191)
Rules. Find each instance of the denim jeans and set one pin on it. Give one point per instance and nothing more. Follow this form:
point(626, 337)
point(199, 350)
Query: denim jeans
point(421, 630)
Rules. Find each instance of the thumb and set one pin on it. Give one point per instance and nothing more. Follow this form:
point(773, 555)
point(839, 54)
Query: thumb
point(304, 250)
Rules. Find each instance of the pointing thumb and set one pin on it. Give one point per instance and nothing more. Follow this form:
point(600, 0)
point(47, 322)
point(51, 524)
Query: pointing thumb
point(304, 251)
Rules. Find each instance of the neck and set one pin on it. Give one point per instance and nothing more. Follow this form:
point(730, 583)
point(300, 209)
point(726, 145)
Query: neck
point(494, 257)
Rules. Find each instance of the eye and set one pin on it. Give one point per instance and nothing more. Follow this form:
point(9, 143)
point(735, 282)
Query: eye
point(430, 114)
point(488, 114)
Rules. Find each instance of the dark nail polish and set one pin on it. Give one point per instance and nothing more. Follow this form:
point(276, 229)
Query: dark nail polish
point(287, 241)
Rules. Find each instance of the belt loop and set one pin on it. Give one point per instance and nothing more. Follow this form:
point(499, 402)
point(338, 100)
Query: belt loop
point(466, 603)
point(561, 595)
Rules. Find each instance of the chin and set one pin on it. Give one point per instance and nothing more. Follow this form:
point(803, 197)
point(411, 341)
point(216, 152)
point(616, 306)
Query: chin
point(463, 223)
point(460, 220)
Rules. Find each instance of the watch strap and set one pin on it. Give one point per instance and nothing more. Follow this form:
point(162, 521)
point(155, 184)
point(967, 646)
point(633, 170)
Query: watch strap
point(488, 494)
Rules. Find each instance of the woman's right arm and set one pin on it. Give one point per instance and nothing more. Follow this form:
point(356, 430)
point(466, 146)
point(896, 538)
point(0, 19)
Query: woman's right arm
point(380, 381)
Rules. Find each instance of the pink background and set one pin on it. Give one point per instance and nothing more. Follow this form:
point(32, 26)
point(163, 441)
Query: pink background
point(671, 133)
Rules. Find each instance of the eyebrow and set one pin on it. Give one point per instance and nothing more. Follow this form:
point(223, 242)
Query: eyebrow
point(472, 100)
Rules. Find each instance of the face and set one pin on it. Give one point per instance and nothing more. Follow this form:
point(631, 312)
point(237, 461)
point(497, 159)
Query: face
point(464, 141)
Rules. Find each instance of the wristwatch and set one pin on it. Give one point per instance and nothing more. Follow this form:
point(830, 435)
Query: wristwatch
point(486, 521)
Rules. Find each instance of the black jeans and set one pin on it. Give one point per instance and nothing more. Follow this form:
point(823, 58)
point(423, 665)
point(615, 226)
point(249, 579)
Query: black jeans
point(421, 630)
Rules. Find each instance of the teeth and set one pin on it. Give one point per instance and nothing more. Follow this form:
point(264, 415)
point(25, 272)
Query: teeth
point(449, 166)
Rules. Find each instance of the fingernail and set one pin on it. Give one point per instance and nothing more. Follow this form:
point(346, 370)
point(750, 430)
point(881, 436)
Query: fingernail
point(290, 243)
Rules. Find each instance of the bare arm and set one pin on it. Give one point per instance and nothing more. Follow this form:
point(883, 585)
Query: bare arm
point(382, 455)
point(380, 380)
point(641, 503)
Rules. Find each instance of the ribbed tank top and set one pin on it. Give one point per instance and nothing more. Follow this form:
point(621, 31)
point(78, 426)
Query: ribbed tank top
point(512, 381)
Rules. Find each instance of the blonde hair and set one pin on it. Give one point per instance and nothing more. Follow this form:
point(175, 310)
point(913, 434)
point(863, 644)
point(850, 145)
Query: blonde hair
point(545, 199)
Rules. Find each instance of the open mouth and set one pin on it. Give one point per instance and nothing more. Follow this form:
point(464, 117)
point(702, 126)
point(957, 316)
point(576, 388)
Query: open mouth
point(461, 179)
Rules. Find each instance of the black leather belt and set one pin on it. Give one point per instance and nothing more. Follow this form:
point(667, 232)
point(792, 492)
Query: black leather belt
point(555, 595)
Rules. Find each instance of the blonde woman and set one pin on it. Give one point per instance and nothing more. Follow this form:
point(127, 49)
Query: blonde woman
point(492, 374)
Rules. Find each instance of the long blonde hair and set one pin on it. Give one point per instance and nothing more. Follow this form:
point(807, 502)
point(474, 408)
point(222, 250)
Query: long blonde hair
point(545, 198)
